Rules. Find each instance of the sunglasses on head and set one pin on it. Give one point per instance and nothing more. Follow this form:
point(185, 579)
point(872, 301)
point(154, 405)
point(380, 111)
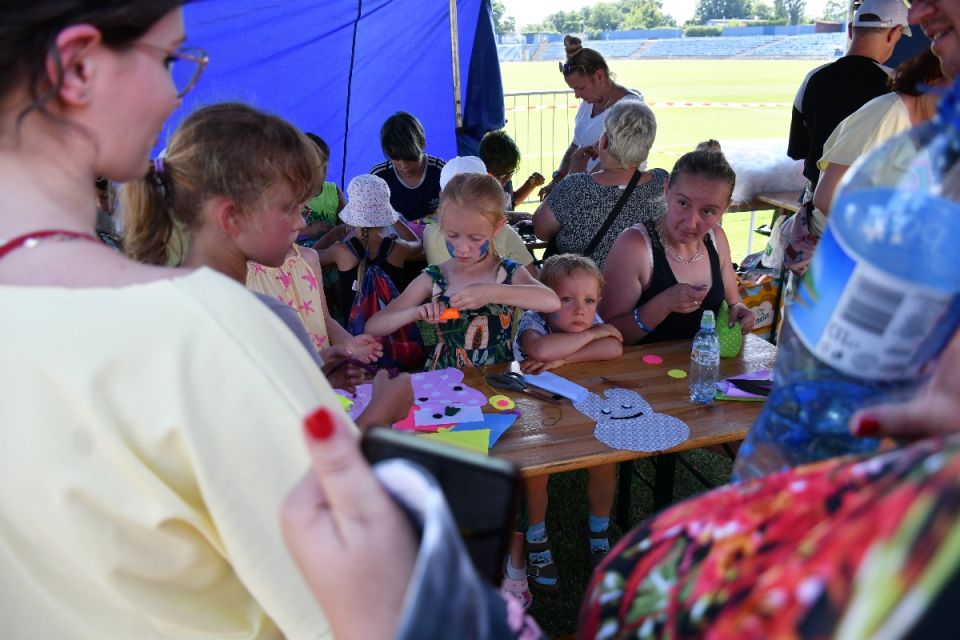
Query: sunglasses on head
point(566, 68)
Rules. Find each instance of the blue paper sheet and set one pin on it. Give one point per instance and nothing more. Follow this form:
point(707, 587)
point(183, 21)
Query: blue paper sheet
point(497, 423)
point(558, 385)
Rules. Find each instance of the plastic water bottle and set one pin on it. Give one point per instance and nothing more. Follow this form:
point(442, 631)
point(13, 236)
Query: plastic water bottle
point(878, 304)
point(705, 361)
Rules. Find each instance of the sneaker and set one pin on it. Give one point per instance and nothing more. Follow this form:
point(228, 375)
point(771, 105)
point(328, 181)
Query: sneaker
point(542, 575)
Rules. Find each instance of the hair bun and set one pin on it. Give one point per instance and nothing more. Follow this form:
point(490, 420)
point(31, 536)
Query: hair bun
point(709, 145)
point(572, 45)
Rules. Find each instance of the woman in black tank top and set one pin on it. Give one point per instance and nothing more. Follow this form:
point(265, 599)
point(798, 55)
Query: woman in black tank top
point(660, 276)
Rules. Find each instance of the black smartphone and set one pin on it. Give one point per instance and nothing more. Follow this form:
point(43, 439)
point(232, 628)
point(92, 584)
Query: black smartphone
point(483, 492)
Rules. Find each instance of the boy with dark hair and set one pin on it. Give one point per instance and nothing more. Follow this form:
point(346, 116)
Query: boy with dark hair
point(501, 156)
point(412, 175)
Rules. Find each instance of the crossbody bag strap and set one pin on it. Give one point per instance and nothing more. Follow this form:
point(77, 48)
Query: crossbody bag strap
point(613, 214)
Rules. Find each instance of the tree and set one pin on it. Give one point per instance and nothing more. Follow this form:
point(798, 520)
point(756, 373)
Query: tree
point(502, 23)
point(607, 16)
point(718, 9)
point(647, 14)
point(780, 9)
point(761, 10)
point(836, 11)
point(795, 10)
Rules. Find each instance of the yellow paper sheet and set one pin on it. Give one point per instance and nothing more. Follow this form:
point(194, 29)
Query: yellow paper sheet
point(472, 440)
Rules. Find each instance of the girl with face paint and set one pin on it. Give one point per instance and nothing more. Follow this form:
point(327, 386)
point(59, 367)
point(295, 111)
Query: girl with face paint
point(483, 287)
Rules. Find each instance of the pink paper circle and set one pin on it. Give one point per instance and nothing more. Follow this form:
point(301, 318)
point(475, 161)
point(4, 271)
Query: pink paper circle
point(652, 359)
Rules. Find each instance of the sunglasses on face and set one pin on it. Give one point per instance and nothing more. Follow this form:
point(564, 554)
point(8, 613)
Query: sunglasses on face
point(566, 68)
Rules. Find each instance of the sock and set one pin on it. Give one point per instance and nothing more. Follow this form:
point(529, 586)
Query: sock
point(537, 532)
point(514, 573)
point(599, 525)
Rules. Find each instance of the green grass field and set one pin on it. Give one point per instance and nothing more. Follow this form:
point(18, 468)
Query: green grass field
point(543, 125)
point(544, 132)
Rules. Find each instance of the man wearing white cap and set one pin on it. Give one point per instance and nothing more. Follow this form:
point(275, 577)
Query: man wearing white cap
point(507, 243)
point(833, 91)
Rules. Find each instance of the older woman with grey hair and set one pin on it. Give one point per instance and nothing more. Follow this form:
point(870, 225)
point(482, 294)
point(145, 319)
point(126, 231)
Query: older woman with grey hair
point(576, 210)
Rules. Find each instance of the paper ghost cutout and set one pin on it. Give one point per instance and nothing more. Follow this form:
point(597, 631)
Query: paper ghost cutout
point(435, 393)
point(626, 421)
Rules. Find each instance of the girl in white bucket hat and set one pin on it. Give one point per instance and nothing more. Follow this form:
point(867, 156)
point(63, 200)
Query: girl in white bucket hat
point(370, 242)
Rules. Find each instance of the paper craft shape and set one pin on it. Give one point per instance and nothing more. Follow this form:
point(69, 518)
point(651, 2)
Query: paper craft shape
point(626, 421)
point(432, 428)
point(434, 392)
point(731, 338)
point(677, 373)
point(652, 359)
point(427, 416)
point(557, 384)
point(473, 440)
point(496, 423)
point(728, 391)
point(502, 402)
point(407, 423)
point(360, 400)
point(449, 314)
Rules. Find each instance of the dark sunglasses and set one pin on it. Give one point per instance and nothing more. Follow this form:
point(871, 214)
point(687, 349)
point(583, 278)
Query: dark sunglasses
point(566, 68)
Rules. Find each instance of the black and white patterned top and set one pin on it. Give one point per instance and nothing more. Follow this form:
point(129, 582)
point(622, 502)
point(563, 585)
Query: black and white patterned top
point(581, 206)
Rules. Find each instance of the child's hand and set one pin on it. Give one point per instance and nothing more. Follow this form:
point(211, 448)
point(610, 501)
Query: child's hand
point(364, 348)
point(430, 312)
point(537, 366)
point(346, 376)
point(390, 401)
point(471, 297)
point(606, 331)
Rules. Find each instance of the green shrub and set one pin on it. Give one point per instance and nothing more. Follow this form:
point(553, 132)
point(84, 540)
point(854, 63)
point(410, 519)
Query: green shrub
point(702, 32)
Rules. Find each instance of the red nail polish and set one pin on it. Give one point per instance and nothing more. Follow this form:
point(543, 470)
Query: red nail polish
point(868, 426)
point(319, 424)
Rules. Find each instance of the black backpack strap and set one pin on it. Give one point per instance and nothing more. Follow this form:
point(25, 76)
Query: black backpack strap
point(386, 245)
point(634, 179)
point(356, 248)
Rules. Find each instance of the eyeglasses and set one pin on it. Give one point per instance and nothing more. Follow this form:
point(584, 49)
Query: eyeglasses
point(504, 177)
point(566, 68)
point(183, 65)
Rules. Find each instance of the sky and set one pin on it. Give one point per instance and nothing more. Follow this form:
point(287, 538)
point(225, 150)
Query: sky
point(531, 11)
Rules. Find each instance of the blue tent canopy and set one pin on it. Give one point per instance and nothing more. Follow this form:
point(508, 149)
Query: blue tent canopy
point(339, 68)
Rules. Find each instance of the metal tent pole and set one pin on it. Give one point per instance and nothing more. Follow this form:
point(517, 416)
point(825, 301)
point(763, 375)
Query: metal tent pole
point(455, 60)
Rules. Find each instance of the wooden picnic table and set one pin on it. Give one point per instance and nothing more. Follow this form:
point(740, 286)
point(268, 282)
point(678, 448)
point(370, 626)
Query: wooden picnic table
point(550, 438)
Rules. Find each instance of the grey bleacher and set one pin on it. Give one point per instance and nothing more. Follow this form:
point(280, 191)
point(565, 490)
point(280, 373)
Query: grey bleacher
point(704, 47)
point(510, 52)
point(822, 46)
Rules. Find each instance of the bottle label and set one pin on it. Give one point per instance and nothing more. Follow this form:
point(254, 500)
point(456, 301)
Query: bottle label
point(868, 323)
point(705, 358)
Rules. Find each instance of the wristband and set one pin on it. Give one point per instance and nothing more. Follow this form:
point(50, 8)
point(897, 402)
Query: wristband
point(639, 322)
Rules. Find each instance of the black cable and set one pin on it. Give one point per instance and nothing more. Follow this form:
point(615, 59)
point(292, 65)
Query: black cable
point(346, 127)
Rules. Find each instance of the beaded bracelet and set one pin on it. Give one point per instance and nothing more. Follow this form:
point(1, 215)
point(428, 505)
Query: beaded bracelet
point(639, 322)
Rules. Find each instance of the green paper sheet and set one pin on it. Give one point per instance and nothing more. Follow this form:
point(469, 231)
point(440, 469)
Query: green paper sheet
point(473, 440)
